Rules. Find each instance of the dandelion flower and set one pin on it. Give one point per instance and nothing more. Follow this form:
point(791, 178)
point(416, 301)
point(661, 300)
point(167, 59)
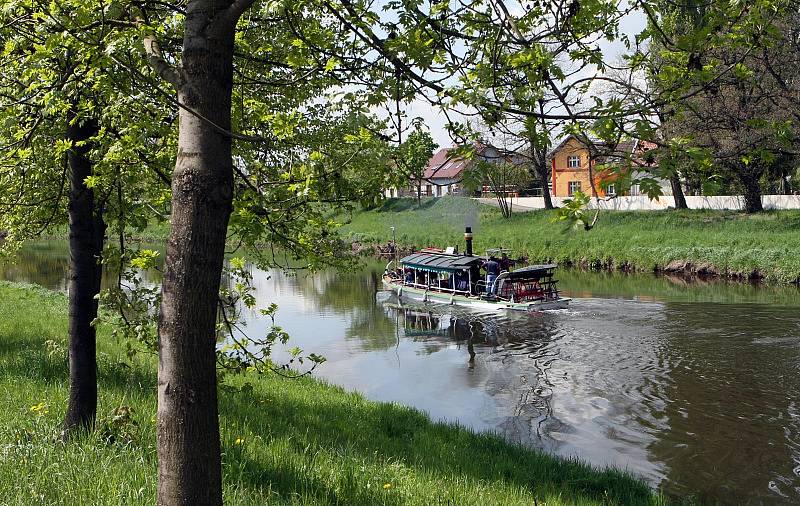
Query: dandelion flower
point(387, 486)
point(40, 409)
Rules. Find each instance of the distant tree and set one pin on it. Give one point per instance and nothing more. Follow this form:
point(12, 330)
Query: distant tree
point(504, 174)
point(540, 133)
point(740, 105)
point(411, 159)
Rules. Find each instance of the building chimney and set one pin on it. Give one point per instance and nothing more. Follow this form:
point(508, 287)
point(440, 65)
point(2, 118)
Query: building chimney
point(468, 239)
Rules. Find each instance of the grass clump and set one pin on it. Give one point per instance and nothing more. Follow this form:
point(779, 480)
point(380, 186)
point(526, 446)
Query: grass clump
point(284, 442)
point(729, 242)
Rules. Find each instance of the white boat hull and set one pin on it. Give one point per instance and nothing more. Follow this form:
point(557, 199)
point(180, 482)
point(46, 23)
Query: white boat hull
point(420, 295)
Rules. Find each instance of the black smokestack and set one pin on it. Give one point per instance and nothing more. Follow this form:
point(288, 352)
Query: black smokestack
point(468, 239)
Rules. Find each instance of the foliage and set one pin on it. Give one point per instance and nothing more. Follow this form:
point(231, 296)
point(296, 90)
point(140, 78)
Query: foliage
point(134, 321)
point(61, 69)
point(503, 176)
point(68, 62)
point(574, 211)
point(740, 108)
point(411, 158)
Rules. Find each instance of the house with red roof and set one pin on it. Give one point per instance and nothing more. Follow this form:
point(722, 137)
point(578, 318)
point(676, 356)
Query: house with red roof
point(444, 173)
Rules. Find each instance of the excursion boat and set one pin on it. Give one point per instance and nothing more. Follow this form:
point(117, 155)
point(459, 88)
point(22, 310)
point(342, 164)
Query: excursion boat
point(447, 277)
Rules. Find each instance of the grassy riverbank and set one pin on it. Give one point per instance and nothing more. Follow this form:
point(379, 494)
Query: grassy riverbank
point(284, 442)
point(723, 242)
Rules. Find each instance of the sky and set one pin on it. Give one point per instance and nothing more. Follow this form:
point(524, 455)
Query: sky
point(631, 24)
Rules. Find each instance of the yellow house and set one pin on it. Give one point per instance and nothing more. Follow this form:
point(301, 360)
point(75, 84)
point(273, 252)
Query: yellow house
point(570, 162)
point(572, 159)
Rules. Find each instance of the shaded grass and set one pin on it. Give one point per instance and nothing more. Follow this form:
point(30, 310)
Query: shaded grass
point(732, 242)
point(284, 442)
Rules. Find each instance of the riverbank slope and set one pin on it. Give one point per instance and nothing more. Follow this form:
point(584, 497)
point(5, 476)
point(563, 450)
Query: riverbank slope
point(724, 243)
point(284, 441)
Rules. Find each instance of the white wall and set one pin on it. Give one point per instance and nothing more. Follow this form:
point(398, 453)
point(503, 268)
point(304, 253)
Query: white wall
point(443, 185)
point(642, 202)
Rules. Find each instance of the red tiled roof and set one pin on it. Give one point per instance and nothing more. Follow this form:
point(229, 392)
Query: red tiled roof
point(440, 167)
point(606, 152)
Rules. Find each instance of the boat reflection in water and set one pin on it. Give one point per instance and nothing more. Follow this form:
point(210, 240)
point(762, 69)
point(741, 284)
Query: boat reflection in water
point(512, 353)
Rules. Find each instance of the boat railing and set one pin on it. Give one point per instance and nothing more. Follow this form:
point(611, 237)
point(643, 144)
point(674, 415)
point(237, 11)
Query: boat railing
point(432, 288)
point(437, 288)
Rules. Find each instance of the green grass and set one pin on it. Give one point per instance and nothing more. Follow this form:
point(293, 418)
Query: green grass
point(732, 242)
point(284, 442)
point(156, 232)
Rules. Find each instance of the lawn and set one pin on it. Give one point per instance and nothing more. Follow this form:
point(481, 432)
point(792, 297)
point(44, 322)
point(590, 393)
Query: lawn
point(728, 242)
point(284, 441)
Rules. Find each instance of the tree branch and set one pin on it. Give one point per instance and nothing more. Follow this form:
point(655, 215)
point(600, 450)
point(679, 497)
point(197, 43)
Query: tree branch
point(228, 18)
point(162, 67)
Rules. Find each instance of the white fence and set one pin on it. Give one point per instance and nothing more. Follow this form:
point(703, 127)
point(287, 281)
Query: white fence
point(643, 203)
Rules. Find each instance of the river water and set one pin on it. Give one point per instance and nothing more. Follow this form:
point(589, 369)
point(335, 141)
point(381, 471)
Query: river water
point(692, 386)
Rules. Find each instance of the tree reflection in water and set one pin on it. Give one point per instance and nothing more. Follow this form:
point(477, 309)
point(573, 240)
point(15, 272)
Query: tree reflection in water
point(517, 354)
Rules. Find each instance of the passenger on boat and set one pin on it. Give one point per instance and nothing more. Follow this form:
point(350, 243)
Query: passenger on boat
point(505, 263)
point(409, 277)
point(492, 267)
point(461, 281)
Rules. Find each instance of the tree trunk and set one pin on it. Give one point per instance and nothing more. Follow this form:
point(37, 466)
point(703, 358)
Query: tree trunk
point(544, 177)
point(86, 235)
point(752, 191)
point(189, 468)
point(677, 192)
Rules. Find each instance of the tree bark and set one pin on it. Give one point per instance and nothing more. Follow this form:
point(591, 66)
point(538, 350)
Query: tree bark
point(189, 466)
point(86, 235)
point(677, 192)
point(752, 190)
point(542, 170)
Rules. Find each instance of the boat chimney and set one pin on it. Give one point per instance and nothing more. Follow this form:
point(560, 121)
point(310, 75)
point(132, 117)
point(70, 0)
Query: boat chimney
point(468, 240)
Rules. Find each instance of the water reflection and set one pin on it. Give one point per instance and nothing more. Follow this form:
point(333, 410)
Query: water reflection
point(46, 263)
point(692, 386)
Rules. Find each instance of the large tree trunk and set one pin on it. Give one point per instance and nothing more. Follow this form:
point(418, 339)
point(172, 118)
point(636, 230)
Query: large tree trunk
point(189, 468)
point(752, 190)
point(86, 234)
point(677, 192)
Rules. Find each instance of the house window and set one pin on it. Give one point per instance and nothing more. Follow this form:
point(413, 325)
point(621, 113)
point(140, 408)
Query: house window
point(428, 190)
point(611, 190)
point(574, 186)
point(573, 162)
point(635, 190)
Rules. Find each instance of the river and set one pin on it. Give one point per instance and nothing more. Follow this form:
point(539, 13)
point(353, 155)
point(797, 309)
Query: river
point(692, 386)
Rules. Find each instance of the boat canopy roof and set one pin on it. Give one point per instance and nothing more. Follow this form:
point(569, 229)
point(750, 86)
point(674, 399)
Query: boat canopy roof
point(440, 262)
point(532, 271)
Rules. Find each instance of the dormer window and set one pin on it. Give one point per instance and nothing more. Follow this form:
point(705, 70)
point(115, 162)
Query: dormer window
point(573, 162)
